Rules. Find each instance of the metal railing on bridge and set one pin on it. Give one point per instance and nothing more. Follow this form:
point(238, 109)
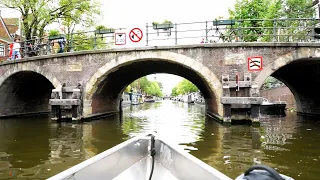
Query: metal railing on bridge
point(216, 31)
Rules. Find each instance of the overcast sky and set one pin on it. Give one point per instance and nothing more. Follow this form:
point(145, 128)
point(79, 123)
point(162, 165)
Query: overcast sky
point(136, 13)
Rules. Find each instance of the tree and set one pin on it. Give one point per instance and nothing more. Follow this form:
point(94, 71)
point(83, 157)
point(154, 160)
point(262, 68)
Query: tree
point(84, 16)
point(184, 87)
point(249, 9)
point(271, 82)
point(174, 91)
point(87, 41)
point(146, 86)
point(271, 9)
point(37, 14)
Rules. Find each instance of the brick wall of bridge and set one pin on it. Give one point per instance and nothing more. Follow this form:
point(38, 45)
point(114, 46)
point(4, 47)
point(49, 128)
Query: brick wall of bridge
point(216, 59)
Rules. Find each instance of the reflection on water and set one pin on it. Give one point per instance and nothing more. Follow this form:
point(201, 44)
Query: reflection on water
point(36, 148)
point(178, 123)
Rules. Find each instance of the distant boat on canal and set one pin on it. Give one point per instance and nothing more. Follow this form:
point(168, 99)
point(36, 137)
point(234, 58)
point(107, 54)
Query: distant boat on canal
point(149, 99)
point(275, 108)
point(133, 98)
point(190, 98)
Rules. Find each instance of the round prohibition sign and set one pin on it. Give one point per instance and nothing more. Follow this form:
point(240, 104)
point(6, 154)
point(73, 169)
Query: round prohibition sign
point(135, 35)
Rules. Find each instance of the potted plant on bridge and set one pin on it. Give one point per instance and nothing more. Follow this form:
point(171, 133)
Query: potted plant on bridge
point(55, 34)
point(165, 25)
point(104, 30)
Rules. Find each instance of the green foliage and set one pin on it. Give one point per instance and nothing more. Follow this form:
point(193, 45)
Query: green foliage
point(146, 86)
point(82, 41)
point(84, 16)
point(271, 82)
point(37, 14)
point(54, 32)
point(174, 91)
point(86, 41)
point(128, 88)
point(184, 87)
point(272, 9)
point(164, 22)
point(102, 27)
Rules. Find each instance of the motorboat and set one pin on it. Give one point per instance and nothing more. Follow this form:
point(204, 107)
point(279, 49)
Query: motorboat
point(275, 108)
point(149, 99)
point(143, 157)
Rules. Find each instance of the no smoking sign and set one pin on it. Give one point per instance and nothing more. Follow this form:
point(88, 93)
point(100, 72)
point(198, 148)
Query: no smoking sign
point(135, 35)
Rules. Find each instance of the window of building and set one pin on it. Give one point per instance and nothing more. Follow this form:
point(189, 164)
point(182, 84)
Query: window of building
point(2, 53)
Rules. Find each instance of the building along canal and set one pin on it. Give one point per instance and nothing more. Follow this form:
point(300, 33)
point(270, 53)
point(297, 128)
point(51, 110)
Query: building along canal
point(37, 148)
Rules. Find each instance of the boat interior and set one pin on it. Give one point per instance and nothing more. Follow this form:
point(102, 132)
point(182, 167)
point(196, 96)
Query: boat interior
point(132, 160)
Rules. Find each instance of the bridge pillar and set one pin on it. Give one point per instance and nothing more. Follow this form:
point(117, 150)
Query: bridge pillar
point(68, 105)
point(240, 101)
point(55, 109)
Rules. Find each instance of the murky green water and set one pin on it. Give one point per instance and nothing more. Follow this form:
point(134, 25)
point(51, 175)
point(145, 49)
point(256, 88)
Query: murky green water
point(36, 148)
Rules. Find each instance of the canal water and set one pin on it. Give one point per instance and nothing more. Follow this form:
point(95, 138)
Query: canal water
point(36, 148)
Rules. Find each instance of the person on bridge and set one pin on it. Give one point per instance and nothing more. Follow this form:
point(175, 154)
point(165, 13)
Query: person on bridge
point(16, 49)
point(10, 52)
point(61, 44)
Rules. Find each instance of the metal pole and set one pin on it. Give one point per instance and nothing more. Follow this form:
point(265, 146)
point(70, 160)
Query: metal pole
point(147, 34)
point(206, 31)
point(240, 32)
point(71, 42)
point(25, 49)
point(313, 33)
point(176, 34)
point(95, 41)
point(274, 30)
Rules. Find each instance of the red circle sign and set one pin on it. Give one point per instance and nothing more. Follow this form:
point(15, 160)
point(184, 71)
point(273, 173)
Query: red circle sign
point(135, 35)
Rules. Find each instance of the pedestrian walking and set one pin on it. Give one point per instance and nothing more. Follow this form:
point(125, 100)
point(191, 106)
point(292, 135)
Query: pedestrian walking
point(16, 49)
point(61, 44)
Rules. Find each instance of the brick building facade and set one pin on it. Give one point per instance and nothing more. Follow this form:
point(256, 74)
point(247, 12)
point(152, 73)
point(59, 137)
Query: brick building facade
point(9, 29)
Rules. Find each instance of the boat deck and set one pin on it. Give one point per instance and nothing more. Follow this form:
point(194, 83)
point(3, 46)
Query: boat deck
point(131, 160)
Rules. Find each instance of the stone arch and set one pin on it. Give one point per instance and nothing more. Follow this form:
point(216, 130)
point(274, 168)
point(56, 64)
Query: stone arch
point(206, 74)
point(29, 66)
point(25, 89)
point(287, 69)
point(299, 54)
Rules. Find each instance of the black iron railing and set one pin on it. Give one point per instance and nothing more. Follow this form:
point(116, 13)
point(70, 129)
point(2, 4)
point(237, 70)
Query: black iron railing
point(216, 31)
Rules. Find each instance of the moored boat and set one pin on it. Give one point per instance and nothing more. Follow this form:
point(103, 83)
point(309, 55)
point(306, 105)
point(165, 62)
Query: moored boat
point(149, 99)
point(276, 108)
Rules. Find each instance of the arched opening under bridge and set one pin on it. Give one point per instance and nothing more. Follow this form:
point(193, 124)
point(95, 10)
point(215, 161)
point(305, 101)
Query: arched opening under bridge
point(25, 92)
point(105, 93)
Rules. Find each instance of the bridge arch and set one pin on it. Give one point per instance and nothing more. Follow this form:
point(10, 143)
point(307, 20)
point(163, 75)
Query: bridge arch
point(29, 66)
point(175, 63)
point(25, 89)
point(298, 70)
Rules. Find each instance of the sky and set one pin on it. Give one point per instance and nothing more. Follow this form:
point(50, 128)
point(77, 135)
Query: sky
point(131, 14)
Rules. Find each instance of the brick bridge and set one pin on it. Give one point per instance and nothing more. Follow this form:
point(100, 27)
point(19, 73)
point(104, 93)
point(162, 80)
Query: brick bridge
point(26, 85)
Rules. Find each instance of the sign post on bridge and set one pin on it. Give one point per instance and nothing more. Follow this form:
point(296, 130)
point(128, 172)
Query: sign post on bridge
point(120, 39)
point(135, 35)
point(255, 63)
